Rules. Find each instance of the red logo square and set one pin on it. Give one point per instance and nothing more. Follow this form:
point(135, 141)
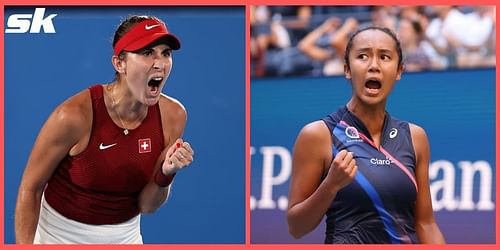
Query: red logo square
point(144, 145)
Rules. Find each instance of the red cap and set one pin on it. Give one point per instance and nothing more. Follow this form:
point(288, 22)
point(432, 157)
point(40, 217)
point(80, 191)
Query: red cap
point(143, 34)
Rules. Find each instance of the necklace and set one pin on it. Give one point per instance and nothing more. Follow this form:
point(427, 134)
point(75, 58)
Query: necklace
point(125, 130)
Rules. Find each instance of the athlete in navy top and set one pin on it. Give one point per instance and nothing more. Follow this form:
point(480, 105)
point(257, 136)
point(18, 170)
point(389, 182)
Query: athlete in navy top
point(366, 171)
point(372, 202)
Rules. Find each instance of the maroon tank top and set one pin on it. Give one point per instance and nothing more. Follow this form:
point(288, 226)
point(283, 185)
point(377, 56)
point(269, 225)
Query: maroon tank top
point(101, 185)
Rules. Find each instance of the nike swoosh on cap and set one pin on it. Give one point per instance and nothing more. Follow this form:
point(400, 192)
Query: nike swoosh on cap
point(150, 27)
point(102, 146)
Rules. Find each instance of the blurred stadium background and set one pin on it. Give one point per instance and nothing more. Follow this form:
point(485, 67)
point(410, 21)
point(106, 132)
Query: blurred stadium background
point(448, 89)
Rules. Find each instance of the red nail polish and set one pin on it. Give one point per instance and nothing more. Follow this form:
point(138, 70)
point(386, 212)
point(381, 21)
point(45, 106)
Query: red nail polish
point(178, 145)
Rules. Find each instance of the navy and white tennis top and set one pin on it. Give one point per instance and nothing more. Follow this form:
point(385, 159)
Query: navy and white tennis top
point(378, 205)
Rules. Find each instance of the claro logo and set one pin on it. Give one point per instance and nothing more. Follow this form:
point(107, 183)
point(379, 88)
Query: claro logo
point(31, 23)
point(376, 161)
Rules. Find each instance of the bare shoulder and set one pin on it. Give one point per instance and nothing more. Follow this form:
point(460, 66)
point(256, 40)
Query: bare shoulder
point(69, 125)
point(315, 131)
point(419, 139)
point(313, 146)
point(417, 132)
point(172, 108)
point(173, 117)
point(75, 113)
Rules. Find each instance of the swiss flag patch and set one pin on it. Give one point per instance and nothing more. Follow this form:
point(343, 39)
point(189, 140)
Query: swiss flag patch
point(144, 145)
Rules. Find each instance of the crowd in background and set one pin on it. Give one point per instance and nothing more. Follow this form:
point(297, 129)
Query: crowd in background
point(311, 40)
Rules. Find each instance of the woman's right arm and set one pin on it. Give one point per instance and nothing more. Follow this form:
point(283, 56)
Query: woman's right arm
point(58, 136)
point(310, 197)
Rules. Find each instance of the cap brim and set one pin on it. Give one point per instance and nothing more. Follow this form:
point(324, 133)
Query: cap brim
point(157, 38)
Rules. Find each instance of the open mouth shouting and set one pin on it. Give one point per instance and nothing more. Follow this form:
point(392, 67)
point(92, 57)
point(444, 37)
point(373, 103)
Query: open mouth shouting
point(154, 85)
point(373, 86)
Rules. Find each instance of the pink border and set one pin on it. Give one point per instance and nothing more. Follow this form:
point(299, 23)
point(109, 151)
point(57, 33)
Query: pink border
point(247, 126)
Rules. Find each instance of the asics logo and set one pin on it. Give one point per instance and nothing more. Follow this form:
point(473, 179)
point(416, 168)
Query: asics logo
point(150, 27)
point(102, 146)
point(393, 133)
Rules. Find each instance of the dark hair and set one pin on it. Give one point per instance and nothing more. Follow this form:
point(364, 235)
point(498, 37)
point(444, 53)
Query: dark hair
point(416, 27)
point(125, 26)
point(383, 29)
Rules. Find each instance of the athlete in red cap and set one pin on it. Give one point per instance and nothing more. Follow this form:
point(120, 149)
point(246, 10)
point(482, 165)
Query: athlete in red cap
point(110, 152)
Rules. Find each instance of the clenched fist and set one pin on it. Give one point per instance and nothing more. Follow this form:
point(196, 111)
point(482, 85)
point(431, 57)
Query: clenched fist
point(179, 155)
point(342, 170)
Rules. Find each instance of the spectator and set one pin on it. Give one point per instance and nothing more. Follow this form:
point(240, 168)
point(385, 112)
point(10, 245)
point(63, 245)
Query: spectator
point(447, 25)
point(271, 41)
point(384, 16)
point(326, 44)
point(294, 19)
point(265, 35)
point(472, 48)
point(433, 37)
point(410, 33)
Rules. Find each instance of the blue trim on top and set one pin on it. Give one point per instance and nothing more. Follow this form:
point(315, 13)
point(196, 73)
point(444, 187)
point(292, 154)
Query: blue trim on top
point(377, 202)
point(339, 133)
point(335, 151)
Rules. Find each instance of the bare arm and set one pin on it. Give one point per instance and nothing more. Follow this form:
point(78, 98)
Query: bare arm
point(341, 37)
point(309, 196)
point(60, 134)
point(302, 21)
point(308, 43)
point(177, 155)
point(427, 230)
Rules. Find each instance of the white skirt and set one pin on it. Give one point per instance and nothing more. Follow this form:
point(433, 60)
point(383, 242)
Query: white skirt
point(54, 228)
